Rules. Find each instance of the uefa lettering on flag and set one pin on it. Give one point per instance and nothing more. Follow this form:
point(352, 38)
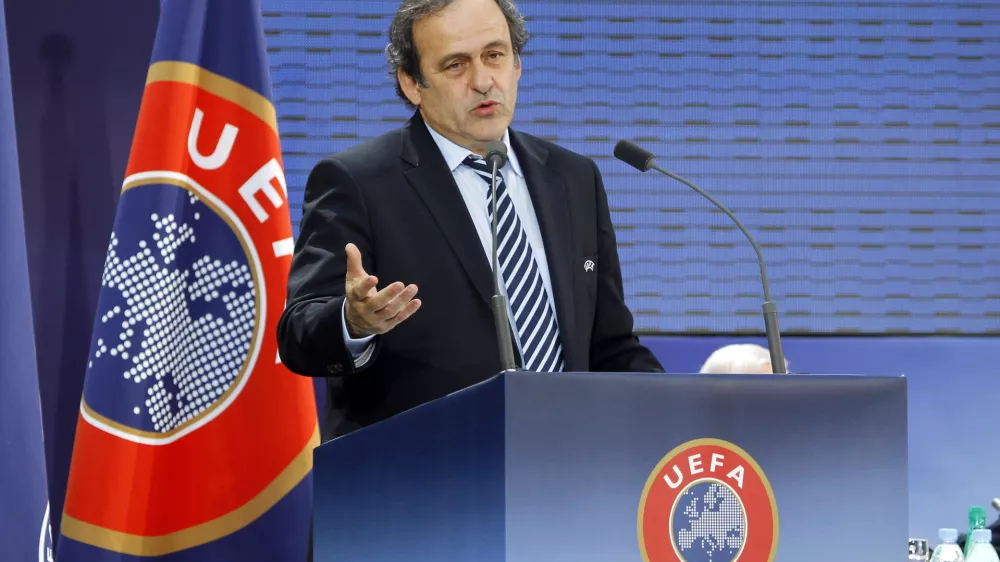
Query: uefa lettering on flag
point(194, 440)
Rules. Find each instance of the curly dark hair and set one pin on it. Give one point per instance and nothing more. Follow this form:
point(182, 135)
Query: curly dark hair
point(401, 53)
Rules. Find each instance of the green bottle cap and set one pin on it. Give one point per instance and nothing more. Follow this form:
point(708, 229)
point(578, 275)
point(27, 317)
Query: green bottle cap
point(977, 518)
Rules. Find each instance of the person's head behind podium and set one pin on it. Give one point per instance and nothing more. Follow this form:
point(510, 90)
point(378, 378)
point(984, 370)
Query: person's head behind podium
point(459, 61)
point(739, 358)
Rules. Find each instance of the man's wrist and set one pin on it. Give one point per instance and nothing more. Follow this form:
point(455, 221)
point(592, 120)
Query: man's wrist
point(352, 330)
point(355, 344)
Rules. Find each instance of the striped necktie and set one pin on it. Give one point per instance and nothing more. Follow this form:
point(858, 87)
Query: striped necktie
point(534, 316)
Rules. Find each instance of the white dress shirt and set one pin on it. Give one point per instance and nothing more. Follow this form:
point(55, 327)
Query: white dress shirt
point(474, 191)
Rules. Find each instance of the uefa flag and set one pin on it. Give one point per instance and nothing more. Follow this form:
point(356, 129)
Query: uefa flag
point(194, 442)
point(24, 514)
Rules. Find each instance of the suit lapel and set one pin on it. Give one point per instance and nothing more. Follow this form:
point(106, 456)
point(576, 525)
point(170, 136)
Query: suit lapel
point(433, 181)
point(551, 202)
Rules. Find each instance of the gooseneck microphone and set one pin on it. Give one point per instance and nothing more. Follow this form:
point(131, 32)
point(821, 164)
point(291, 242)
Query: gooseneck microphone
point(496, 157)
point(643, 160)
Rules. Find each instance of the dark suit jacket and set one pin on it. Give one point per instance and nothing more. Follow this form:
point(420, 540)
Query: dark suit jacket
point(395, 198)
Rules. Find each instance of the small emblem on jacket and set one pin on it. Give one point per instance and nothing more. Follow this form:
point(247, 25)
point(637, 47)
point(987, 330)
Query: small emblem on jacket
point(588, 265)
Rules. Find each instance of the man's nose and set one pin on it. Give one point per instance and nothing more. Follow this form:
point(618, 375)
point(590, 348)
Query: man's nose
point(482, 78)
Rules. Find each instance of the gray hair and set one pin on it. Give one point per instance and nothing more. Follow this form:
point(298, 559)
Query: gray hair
point(739, 358)
point(401, 53)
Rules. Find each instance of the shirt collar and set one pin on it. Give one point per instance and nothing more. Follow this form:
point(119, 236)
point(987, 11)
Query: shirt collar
point(454, 155)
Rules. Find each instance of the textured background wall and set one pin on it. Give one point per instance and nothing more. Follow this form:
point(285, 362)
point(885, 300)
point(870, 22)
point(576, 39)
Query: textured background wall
point(859, 141)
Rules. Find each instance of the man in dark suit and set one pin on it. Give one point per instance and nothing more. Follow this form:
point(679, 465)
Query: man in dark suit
point(409, 209)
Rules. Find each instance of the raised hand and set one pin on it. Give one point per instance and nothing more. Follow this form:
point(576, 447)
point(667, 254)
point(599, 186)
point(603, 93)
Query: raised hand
point(369, 311)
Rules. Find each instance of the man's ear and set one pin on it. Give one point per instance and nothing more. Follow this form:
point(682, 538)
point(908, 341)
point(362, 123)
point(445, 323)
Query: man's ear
point(409, 86)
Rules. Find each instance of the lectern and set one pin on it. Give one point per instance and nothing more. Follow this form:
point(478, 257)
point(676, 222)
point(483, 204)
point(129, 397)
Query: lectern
point(616, 467)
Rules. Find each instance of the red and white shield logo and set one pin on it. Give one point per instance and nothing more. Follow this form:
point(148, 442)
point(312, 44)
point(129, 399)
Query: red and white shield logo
point(708, 500)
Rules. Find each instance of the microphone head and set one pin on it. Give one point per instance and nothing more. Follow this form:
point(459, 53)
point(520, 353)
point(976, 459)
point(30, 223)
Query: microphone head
point(496, 151)
point(633, 155)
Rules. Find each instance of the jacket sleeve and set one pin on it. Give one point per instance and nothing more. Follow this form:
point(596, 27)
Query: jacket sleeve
point(310, 331)
point(613, 346)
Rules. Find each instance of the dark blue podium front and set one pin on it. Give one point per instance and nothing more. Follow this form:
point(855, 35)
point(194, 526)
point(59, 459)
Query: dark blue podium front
point(551, 467)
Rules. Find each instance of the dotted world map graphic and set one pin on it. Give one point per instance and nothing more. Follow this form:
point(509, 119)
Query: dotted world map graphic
point(709, 523)
point(176, 315)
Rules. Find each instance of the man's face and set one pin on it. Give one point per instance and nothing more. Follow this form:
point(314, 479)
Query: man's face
point(470, 70)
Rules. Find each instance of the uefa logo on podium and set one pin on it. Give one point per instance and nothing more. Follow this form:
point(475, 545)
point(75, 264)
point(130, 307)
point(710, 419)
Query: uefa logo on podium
point(708, 501)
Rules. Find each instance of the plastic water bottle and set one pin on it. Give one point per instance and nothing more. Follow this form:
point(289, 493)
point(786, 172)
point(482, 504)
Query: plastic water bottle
point(977, 520)
point(948, 550)
point(982, 547)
